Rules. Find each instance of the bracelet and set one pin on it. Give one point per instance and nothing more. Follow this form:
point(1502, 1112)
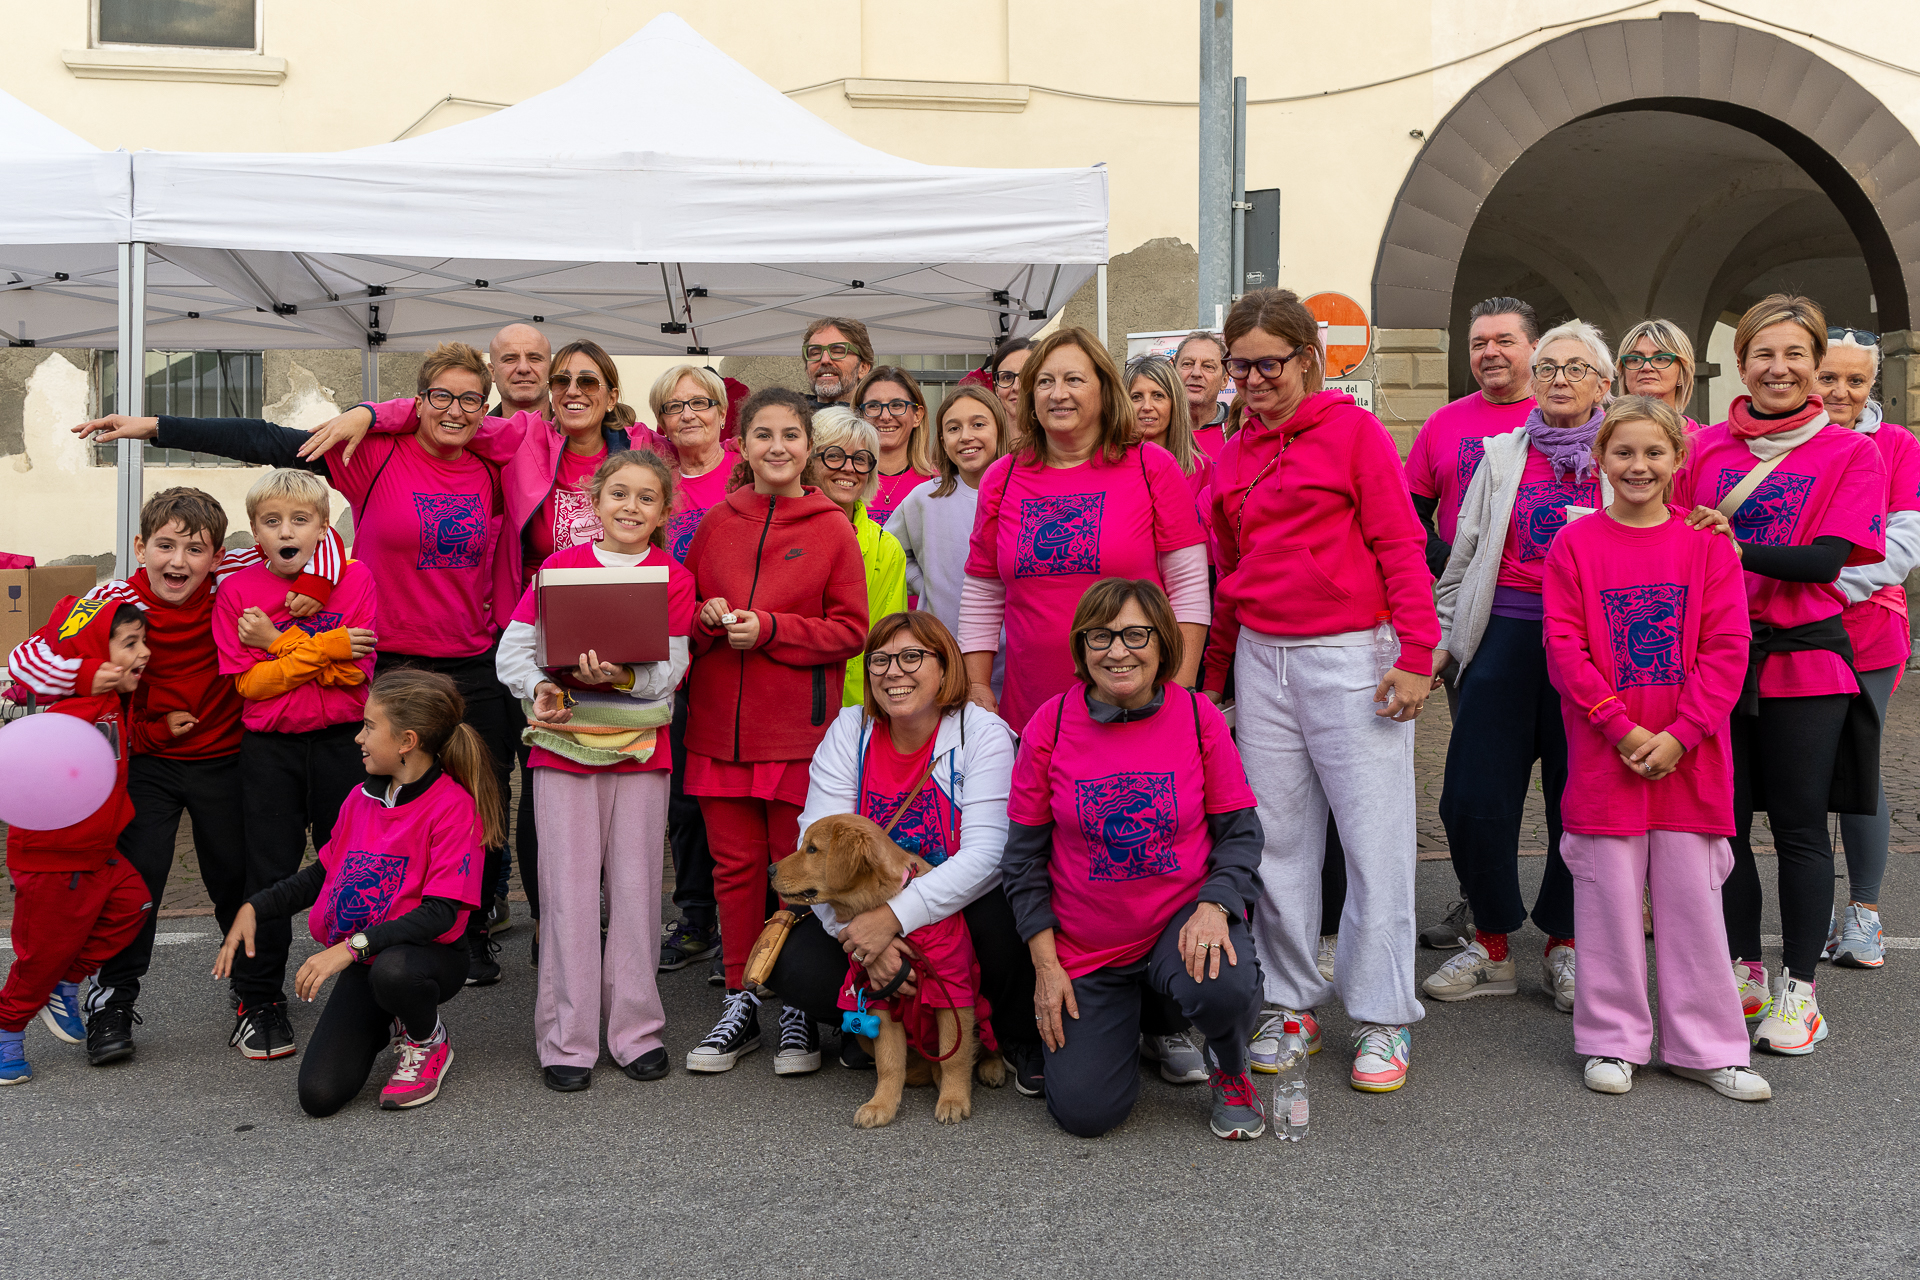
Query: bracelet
point(1612, 697)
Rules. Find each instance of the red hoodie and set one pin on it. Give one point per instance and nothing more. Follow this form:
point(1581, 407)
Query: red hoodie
point(796, 563)
point(88, 843)
point(1316, 535)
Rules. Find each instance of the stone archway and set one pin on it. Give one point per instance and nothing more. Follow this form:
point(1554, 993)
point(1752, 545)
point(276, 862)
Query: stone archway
point(1845, 140)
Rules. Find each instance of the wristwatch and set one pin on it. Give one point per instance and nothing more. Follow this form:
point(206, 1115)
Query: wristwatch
point(358, 944)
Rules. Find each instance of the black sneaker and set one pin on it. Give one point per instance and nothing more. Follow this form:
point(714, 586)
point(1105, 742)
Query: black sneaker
point(717, 971)
point(684, 943)
point(110, 1034)
point(852, 1056)
point(1453, 930)
point(482, 969)
point(737, 1032)
point(799, 1052)
point(1029, 1063)
point(262, 1032)
point(651, 1065)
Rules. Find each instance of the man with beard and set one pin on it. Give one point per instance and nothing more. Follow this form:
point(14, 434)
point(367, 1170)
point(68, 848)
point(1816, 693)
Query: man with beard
point(838, 354)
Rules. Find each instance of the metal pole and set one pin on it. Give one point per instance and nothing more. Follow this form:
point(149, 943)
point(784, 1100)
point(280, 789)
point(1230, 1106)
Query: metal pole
point(1240, 205)
point(1216, 175)
point(370, 376)
point(1100, 275)
point(130, 398)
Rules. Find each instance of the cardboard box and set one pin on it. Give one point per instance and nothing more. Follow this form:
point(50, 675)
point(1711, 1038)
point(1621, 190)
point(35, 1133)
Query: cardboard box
point(27, 597)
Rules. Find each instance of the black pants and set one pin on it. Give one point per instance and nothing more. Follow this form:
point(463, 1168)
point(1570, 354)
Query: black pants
point(408, 982)
point(687, 833)
point(812, 968)
point(161, 789)
point(290, 784)
point(495, 716)
point(1784, 756)
point(1509, 717)
point(1093, 1079)
point(526, 836)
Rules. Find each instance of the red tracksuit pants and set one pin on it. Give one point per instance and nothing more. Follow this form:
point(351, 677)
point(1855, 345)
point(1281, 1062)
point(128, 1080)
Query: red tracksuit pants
point(66, 924)
point(747, 835)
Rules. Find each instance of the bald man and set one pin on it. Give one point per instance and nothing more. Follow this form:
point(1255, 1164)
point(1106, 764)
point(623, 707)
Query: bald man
point(519, 356)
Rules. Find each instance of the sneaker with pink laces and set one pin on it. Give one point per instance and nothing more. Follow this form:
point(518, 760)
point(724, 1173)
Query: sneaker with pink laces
point(416, 1080)
point(1237, 1113)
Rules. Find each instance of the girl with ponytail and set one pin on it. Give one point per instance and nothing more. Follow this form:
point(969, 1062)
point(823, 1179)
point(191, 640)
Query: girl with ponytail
point(390, 894)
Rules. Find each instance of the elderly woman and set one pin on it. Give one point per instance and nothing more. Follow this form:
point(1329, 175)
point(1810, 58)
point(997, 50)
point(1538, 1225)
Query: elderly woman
point(1080, 500)
point(1133, 883)
point(845, 451)
point(1009, 358)
point(1656, 359)
point(1530, 482)
point(891, 400)
point(1875, 618)
point(1160, 416)
point(915, 726)
point(1807, 499)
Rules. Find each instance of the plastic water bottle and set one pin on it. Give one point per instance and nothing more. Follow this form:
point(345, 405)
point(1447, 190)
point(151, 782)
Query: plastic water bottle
point(1290, 1095)
point(1386, 651)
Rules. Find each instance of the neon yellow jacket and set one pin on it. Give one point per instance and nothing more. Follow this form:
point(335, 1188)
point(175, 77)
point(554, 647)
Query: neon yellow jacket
point(886, 562)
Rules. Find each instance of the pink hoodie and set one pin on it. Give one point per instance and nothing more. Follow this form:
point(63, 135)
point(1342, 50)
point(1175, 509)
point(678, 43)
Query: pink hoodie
point(1316, 535)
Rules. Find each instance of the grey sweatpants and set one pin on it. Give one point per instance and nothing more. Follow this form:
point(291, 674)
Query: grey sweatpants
point(1866, 838)
point(1310, 741)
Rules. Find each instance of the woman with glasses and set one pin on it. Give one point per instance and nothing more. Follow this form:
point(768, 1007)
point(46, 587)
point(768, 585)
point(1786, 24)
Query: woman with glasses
point(1317, 545)
point(1078, 500)
point(1160, 415)
point(1009, 358)
point(1656, 360)
point(891, 401)
point(845, 462)
point(915, 740)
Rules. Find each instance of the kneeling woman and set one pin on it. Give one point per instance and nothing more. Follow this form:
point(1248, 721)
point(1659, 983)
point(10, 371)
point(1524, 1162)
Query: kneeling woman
point(390, 892)
point(1129, 880)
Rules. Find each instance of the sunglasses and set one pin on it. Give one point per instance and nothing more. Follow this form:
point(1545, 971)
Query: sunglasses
point(1862, 336)
point(587, 382)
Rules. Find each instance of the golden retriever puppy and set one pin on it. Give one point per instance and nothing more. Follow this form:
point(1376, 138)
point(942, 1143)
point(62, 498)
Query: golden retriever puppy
point(847, 862)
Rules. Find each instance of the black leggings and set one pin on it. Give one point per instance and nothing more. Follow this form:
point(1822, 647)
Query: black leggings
point(1783, 762)
point(409, 982)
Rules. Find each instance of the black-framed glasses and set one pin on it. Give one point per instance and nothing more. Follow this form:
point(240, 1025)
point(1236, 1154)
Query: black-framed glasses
point(838, 459)
point(878, 408)
point(909, 660)
point(699, 404)
point(1269, 366)
point(838, 350)
point(1864, 337)
point(1576, 371)
point(1100, 639)
point(1661, 360)
point(587, 382)
point(441, 398)
point(1005, 378)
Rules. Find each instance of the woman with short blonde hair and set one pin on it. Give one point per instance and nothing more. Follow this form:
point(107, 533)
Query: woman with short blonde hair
point(846, 462)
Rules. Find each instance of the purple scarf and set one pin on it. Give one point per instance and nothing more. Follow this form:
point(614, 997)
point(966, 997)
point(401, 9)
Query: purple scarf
point(1567, 448)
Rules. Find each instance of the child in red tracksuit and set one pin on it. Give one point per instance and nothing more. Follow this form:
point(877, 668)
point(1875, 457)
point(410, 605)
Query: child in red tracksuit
point(76, 902)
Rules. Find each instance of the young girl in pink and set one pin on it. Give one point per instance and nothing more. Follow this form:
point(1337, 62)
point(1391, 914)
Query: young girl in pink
point(603, 821)
point(1646, 638)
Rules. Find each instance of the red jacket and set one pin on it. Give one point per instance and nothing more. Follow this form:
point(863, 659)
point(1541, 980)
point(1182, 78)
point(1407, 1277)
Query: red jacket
point(182, 675)
point(796, 563)
point(88, 843)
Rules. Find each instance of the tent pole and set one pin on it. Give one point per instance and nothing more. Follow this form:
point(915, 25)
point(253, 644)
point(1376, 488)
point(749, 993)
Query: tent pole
point(1101, 289)
point(370, 376)
point(130, 399)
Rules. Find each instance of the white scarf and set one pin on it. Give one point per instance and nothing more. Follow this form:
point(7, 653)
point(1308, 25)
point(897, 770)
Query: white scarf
point(1769, 447)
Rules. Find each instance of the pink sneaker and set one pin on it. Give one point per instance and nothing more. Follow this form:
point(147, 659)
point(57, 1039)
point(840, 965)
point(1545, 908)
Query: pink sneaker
point(416, 1080)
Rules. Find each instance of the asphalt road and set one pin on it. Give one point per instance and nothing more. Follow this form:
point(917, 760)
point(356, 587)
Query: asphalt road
point(192, 1161)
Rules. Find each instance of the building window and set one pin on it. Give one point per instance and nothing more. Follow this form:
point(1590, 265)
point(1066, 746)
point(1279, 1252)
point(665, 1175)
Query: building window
point(187, 384)
point(227, 25)
point(938, 375)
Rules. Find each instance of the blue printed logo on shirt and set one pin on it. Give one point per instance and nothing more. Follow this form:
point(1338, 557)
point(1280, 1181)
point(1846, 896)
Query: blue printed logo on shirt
point(453, 530)
point(363, 891)
point(1771, 511)
point(1059, 535)
point(325, 620)
point(1466, 461)
point(918, 830)
point(1540, 512)
point(680, 527)
point(1129, 820)
point(1646, 624)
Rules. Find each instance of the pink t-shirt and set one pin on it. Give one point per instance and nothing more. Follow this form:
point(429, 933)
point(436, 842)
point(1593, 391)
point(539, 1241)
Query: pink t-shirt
point(693, 497)
point(429, 531)
point(680, 610)
point(382, 861)
point(566, 518)
point(930, 826)
point(1832, 486)
point(1210, 440)
point(1539, 512)
point(312, 705)
point(1645, 627)
point(1130, 845)
point(1449, 447)
point(1878, 625)
point(1049, 533)
point(892, 492)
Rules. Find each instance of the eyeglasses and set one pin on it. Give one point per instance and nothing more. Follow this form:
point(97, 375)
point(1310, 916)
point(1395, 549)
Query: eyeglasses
point(587, 382)
point(1269, 368)
point(699, 404)
point(1005, 378)
point(1577, 371)
point(441, 398)
point(1100, 639)
point(838, 350)
point(880, 408)
point(1861, 336)
point(837, 459)
point(909, 660)
point(1661, 360)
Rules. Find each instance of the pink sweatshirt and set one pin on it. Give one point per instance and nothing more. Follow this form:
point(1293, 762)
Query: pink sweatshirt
point(1314, 535)
point(1645, 627)
point(1449, 447)
point(313, 705)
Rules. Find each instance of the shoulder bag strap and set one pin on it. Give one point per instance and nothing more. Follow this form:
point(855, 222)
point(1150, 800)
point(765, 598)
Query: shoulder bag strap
point(1744, 490)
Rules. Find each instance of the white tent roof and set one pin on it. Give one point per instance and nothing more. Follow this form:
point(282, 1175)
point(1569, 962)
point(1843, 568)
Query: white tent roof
point(664, 185)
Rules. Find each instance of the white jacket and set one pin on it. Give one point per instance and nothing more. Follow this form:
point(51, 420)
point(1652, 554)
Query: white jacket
point(1903, 536)
point(973, 754)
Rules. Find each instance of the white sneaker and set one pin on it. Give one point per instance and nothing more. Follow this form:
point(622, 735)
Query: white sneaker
point(1609, 1075)
point(1329, 942)
point(1793, 1025)
point(1472, 973)
point(1739, 1083)
point(1556, 978)
point(1179, 1058)
point(1755, 998)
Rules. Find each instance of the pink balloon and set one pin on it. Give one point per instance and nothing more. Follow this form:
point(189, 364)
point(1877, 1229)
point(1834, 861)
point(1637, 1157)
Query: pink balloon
point(54, 770)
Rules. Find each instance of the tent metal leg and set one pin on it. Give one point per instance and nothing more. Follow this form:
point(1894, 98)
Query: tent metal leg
point(1101, 290)
point(370, 375)
point(130, 398)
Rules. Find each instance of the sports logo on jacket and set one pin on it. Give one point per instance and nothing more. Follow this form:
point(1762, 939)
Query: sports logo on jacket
point(1646, 626)
point(80, 615)
point(1771, 511)
point(1129, 820)
point(453, 530)
point(1059, 535)
point(364, 888)
point(325, 620)
point(919, 829)
point(1466, 461)
point(1540, 512)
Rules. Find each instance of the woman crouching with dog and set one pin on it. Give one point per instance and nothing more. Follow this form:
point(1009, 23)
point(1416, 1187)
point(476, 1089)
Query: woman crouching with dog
point(1133, 852)
point(918, 758)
